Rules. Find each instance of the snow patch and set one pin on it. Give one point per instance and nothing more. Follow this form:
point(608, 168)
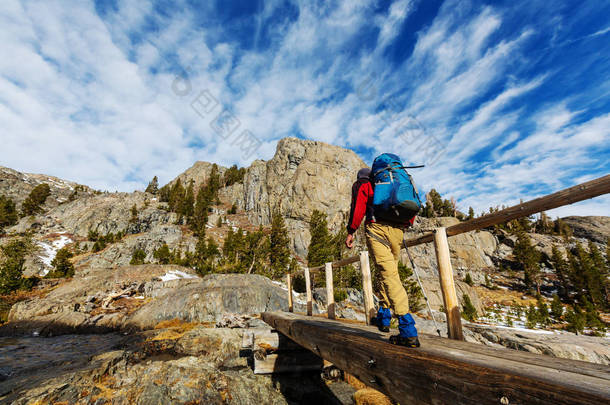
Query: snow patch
point(50, 251)
point(176, 275)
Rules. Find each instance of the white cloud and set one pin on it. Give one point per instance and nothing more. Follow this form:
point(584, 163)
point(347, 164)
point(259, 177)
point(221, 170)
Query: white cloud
point(90, 98)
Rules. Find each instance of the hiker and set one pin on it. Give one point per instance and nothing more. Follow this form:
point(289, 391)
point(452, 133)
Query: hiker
point(384, 238)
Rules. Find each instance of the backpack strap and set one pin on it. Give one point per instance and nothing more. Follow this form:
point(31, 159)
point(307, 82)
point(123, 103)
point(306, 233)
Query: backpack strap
point(384, 242)
point(389, 167)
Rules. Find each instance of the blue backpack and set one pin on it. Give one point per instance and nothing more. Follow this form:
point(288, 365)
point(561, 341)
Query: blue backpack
point(395, 197)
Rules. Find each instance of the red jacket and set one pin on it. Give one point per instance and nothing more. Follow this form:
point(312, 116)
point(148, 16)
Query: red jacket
point(362, 205)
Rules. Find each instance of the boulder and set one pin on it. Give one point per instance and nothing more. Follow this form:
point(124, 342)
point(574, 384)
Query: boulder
point(139, 297)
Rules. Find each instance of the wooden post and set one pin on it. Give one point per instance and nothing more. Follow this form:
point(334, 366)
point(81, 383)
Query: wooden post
point(330, 294)
point(289, 285)
point(454, 319)
point(308, 292)
point(367, 287)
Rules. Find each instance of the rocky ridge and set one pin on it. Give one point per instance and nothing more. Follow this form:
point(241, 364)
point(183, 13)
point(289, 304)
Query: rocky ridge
point(17, 186)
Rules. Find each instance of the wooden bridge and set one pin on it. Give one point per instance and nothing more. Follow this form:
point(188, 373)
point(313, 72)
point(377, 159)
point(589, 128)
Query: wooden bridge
point(446, 371)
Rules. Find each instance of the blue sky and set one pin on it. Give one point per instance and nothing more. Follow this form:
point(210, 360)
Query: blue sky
point(500, 100)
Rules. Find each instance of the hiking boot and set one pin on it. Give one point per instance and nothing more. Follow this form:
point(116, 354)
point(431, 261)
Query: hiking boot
point(412, 342)
point(407, 335)
point(382, 320)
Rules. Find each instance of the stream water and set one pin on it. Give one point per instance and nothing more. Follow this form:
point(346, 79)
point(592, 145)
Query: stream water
point(35, 355)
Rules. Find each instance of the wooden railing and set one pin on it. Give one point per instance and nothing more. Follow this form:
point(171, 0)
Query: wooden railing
point(584, 191)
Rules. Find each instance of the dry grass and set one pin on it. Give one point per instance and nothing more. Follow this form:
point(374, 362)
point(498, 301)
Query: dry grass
point(366, 395)
point(505, 297)
point(174, 329)
point(353, 381)
point(175, 323)
point(369, 396)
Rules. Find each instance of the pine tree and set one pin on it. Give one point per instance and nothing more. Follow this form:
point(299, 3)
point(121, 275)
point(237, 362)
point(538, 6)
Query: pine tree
point(134, 214)
point(320, 248)
point(162, 254)
point(257, 250)
point(531, 316)
point(37, 197)
point(588, 278)
point(200, 213)
point(62, 266)
point(212, 186)
point(12, 264)
point(576, 320)
point(187, 208)
point(206, 253)
point(153, 186)
point(544, 224)
point(556, 307)
point(8, 213)
point(411, 287)
point(233, 209)
point(279, 244)
point(529, 258)
point(138, 257)
point(469, 312)
point(234, 175)
point(176, 197)
point(561, 269)
point(575, 274)
point(233, 244)
point(470, 213)
point(596, 278)
point(562, 229)
point(543, 311)
point(468, 279)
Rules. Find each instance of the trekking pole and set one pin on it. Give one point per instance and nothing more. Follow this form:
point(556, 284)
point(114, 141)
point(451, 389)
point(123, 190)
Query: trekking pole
point(422, 288)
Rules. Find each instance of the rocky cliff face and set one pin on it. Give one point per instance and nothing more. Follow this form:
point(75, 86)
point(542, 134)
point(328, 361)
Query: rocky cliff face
point(17, 186)
point(596, 229)
point(302, 176)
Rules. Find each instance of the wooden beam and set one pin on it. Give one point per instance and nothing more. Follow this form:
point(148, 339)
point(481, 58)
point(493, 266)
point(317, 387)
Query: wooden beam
point(330, 294)
point(445, 271)
point(367, 286)
point(446, 371)
point(289, 285)
point(308, 292)
point(584, 191)
point(337, 264)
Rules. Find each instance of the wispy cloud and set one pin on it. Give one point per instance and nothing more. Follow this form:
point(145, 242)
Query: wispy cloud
point(86, 90)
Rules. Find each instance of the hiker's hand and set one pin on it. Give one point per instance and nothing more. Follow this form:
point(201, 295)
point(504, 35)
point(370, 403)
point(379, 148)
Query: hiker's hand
point(349, 241)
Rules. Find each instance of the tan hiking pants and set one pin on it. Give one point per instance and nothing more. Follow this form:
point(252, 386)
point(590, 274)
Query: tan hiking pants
point(386, 256)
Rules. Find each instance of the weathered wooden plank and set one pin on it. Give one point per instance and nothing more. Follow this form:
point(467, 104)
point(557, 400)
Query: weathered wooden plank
point(367, 286)
point(330, 293)
point(290, 297)
point(584, 191)
point(308, 292)
point(444, 371)
point(445, 271)
point(586, 368)
point(337, 264)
